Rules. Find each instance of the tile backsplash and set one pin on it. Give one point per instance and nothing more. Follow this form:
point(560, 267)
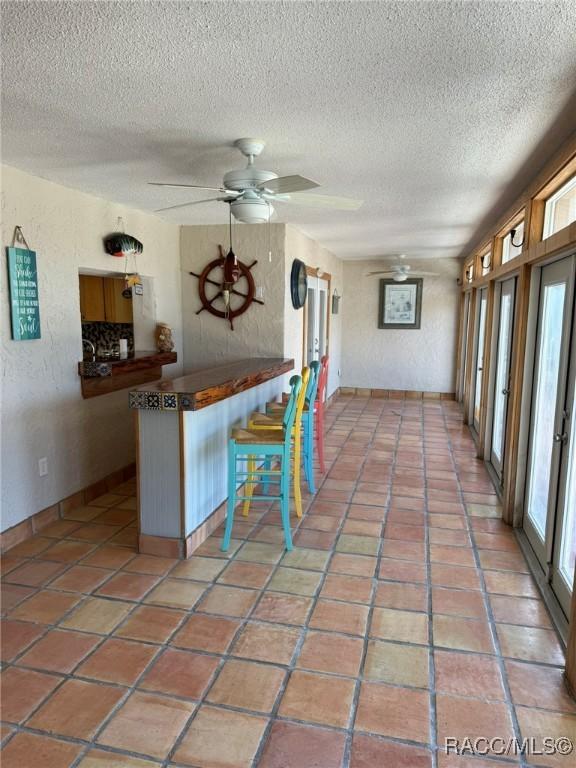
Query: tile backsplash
point(105, 336)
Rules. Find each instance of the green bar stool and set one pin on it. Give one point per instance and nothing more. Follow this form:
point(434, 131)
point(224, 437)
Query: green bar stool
point(254, 448)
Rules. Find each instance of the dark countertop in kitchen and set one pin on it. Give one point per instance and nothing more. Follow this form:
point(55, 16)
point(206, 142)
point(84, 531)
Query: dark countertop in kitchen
point(111, 366)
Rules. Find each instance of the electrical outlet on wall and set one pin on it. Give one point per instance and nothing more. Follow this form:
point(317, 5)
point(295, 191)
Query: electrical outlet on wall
point(43, 467)
point(259, 292)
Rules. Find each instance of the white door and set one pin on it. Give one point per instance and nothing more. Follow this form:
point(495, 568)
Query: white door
point(317, 318)
point(549, 514)
point(505, 315)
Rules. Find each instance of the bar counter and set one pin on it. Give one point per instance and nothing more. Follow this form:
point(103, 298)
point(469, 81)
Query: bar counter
point(203, 388)
point(182, 431)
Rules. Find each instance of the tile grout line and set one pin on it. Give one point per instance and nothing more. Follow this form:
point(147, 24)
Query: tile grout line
point(431, 653)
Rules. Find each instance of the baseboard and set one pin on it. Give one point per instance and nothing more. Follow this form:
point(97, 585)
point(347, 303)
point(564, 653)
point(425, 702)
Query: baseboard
point(396, 394)
point(34, 524)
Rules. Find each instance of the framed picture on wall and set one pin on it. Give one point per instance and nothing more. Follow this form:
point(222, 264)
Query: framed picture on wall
point(400, 304)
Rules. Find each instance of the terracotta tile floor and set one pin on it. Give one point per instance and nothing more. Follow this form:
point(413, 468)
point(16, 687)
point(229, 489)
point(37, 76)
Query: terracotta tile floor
point(405, 614)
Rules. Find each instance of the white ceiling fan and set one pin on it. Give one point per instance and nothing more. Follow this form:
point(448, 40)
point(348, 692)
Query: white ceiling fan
point(401, 272)
point(251, 191)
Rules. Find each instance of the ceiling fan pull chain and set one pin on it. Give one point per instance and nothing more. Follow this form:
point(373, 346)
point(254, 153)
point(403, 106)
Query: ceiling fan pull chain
point(269, 235)
point(230, 224)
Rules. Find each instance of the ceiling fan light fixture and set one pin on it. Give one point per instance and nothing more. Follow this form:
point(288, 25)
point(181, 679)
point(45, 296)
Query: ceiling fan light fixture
point(400, 277)
point(251, 211)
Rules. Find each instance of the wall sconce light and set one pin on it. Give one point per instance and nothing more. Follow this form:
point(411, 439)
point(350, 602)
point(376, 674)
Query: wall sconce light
point(335, 302)
point(516, 245)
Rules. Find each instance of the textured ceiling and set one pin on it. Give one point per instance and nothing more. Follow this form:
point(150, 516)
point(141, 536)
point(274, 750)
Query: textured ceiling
point(425, 110)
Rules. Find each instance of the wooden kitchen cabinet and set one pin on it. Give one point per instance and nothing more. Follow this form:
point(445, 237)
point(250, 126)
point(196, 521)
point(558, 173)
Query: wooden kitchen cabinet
point(117, 308)
point(101, 300)
point(92, 299)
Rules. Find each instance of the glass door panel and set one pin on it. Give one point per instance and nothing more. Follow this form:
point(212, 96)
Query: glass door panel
point(544, 408)
point(567, 532)
point(502, 375)
point(548, 437)
point(311, 329)
point(564, 555)
point(464, 347)
point(480, 335)
point(316, 318)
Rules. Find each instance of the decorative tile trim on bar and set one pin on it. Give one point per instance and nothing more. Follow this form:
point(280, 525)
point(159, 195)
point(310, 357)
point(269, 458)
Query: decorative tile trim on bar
point(396, 394)
point(34, 524)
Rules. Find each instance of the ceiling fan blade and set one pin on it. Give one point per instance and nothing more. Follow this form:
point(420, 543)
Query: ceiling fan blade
point(191, 186)
point(369, 274)
point(424, 274)
point(325, 201)
point(286, 184)
point(193, 202)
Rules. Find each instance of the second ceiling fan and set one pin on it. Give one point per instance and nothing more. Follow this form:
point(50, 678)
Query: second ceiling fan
point(400, 272)
point(251, 191)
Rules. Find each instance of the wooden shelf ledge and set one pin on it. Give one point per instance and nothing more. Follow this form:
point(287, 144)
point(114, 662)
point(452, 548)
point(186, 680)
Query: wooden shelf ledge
point(101, 376)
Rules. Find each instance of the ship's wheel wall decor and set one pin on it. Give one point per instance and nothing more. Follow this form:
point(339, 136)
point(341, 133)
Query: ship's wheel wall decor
point(226, 287)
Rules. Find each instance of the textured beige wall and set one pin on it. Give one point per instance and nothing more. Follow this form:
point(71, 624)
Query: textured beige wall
point(208, 340)
point(43, 413)
point(299, 246)
point(420, 360)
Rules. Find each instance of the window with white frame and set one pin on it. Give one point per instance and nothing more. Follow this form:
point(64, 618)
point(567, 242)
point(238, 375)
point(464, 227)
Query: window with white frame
point(560, 209)
point(512, 243)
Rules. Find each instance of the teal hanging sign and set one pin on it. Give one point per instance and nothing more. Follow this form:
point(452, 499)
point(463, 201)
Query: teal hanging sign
point(24, 304)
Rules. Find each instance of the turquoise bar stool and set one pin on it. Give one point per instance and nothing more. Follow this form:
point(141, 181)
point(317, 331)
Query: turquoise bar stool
point(275, 411)
point(256, 448)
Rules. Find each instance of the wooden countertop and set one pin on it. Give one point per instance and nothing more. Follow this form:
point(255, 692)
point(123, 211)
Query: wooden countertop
point(209, 386)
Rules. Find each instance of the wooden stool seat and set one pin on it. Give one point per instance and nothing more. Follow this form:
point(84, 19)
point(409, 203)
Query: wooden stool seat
point(268, 436)
point(258, 419)
point(279, 408)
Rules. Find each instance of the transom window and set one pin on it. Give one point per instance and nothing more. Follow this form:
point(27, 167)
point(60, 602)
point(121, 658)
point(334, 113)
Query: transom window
point(486, 262)
point(512, 243)
point(560, 209)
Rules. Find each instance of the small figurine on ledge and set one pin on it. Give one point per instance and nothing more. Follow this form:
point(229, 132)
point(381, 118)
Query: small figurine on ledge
point(164, 340)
